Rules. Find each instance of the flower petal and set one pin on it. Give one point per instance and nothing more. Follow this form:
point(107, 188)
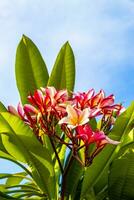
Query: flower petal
point(64, 120)
point(38, 97)
point(97, 99)
point(72, 114)
point(29, 108)
point(13, 111)
point(20, 110)
point(110, 141)
point(108, 101)
point(84, 116)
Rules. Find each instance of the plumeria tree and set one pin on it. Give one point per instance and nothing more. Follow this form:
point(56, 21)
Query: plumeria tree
point(69, 145)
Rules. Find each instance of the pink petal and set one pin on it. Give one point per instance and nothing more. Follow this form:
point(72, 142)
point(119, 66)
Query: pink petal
point(29, 108)
point(95, 112)
point(20, 110)
point(90, 94)
point(13, 111)
point(51, 91)
point(30, 99)
point(97, 98)
point(110, 141)
point(107, 101)
point(99, 135)
point(61, 94)
point(38, 96)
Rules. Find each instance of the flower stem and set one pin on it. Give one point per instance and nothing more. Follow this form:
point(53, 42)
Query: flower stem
point(56, 154)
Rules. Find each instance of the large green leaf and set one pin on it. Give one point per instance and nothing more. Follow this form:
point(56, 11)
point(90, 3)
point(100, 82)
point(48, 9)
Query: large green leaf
point(121, 128)
point(73, 178)
point(63, 73)
point(30, 68)
point(21, 143)
point(102, 182)
point(5, 155)
point(72, 175)
point(121, 177)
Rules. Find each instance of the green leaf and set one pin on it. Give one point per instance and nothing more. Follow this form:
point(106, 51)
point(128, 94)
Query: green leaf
point(30, 68)
point(121, 128)
point(73, 176)
point(63, 73)
point(8, 157)
point(121, 177)
point(2, 107)
point(128, 138)
point(21, 143)
point(93, 124)
point(102, 182)
point(5, 155)
point(15, 178)
point(5, 196)
point(89, 195)
point(21, 175)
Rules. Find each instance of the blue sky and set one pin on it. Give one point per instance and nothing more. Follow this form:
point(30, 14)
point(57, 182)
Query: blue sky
point(100, 33)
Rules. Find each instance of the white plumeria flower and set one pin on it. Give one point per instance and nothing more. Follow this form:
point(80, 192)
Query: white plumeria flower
point(75, 117)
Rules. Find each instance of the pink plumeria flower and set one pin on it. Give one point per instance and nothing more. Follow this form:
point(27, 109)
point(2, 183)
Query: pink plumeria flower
point(100, 144)
point(75, 117)
point(55, 99)
point(13, 110)
point(82, 99)
point(56, 96)
point(89, 136)
point(19, 112)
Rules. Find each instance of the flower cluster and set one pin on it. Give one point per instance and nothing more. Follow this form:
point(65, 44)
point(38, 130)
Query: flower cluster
point(49, 108)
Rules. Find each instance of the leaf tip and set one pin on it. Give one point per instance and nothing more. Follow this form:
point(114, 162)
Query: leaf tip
point(24, 38)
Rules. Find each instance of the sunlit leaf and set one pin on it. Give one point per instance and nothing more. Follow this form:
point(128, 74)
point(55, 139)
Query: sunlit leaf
point(63, 72)
point(21, 143)
point(121, 177)
point(30, 68)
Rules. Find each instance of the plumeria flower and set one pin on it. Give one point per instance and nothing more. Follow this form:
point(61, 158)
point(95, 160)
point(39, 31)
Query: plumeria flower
point(48, 106)
point(54, 95)
point(104, 105)
point(82, 99)
point(75, 117)
point(19, 112)
point(100, 144)
point(89, 136)
point(55, 100)
point(13, 110)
